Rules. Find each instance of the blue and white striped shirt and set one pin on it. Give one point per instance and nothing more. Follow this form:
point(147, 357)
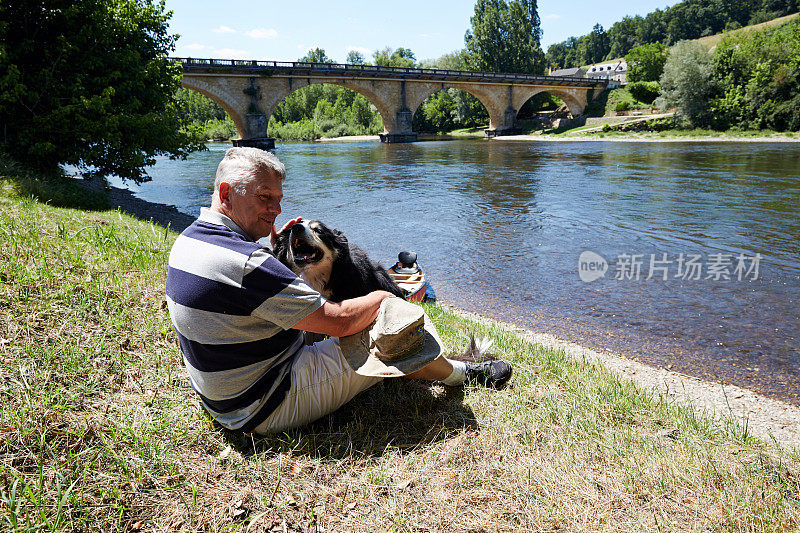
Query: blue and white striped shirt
point(233, 305)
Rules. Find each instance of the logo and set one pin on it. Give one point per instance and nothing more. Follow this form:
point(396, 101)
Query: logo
point(591, 266)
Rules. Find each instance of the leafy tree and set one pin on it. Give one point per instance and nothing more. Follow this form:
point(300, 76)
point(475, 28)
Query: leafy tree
point(646, 62)
point(355, 57)
point(504, 37)
point(688, 82)
point(88, 83)
point(556, 55)
point(593, 47)
point(401, 57)
point(457, 60)
point(195, 107)
point(436, 113)
point(468, 111)
point(316, 55)
point(622, 37)
point(759, 79)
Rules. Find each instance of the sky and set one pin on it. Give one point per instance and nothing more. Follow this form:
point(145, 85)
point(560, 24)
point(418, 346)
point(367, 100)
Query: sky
point(285, 31)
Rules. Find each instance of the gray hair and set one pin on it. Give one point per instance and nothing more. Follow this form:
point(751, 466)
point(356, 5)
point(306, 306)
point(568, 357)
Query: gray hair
point(241, 165)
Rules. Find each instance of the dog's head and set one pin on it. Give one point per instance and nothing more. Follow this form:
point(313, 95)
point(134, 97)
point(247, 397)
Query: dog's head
point(309, 250)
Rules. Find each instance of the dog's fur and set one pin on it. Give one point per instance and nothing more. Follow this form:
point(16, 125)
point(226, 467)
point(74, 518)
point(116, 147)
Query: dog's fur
point(339, 270)
point(334, 267)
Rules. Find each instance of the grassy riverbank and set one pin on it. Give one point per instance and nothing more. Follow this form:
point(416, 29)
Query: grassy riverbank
point(670, 135)
point(99, 430)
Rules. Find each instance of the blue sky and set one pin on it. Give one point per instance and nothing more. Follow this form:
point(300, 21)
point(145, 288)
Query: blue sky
point(270, 30)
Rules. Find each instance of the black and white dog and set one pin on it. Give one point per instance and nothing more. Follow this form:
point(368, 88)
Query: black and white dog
point(340, 270)
point(334, 267)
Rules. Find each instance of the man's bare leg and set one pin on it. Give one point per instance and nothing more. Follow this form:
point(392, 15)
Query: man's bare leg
point(437, 370)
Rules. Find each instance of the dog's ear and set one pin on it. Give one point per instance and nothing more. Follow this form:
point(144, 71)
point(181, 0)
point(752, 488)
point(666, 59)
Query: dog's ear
point(342, 244)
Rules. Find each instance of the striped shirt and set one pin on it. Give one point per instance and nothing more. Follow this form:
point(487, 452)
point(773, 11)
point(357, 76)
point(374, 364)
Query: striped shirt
point(233, 305)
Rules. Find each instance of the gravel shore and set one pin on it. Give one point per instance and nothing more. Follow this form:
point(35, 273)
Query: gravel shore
point(764, 417)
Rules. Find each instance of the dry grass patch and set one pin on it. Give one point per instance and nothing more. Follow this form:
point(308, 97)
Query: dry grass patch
point(99, 430)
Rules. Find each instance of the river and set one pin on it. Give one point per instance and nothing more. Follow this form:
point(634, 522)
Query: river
point(500, 227)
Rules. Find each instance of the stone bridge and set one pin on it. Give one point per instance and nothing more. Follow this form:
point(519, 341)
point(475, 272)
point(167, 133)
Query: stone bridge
point(249, 91)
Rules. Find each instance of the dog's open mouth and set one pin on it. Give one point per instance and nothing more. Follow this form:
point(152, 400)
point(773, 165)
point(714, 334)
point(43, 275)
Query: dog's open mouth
point(303, 251)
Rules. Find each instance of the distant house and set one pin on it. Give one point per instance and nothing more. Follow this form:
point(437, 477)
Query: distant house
point(616, 71)
point(576, 72)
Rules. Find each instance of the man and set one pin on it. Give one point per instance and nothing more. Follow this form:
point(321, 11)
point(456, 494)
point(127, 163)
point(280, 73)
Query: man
point(240, 314)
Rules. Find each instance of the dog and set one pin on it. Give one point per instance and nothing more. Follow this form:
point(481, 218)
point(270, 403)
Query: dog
point(340, 270)
point(326, 260)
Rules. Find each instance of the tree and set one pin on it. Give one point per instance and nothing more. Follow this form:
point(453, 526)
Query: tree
point(194, 107)
point(759, 79)
point(401, 57)
point(622, 37)
point(355, 57)
point(646, 62)
point(436, 112)
point(688, 82)
point(88, 83)
point(504, 37)
point(594, 46)
point(458, 60)
point(316, 55)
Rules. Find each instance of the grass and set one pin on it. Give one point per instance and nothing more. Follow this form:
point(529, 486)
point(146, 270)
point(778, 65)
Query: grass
point(712, 40)
point(100, 431)
point(682, 133)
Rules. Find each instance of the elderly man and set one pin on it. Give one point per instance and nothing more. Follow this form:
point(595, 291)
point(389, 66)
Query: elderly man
point(240, 314)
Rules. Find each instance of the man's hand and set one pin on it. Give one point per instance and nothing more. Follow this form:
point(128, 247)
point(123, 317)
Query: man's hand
point(273, 235)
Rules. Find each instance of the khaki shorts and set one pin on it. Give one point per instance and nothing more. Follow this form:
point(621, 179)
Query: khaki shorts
point(322, 381)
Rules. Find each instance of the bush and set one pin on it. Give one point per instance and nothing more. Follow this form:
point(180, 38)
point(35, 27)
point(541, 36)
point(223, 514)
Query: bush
point(216, 129)
point(622, 106)
point(340, 130)
point(644, 91)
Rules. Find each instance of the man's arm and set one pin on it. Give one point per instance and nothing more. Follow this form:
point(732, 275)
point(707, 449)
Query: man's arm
point(345, 318)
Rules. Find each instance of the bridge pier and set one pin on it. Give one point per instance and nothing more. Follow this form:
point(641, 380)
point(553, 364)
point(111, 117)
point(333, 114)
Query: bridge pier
point(264, 143)
point(402, 131)
point(255, 126)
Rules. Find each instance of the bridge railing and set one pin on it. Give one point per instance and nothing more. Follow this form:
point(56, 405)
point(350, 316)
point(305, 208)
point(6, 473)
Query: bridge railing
point(370, 69)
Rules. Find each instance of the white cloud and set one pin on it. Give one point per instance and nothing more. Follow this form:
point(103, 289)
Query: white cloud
point(262, 33)
point(195, 46)
point(552, 16)
point(365, 51)
point(231, 53)
point(224, 29)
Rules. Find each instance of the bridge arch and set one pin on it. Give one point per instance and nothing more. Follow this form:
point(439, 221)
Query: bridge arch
point(373, 96)
point(418, 120)
point(220, 97)
point(573, 101)
point(420, 92)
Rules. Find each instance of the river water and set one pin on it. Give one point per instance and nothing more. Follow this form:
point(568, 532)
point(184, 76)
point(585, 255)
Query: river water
point(500, 227)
